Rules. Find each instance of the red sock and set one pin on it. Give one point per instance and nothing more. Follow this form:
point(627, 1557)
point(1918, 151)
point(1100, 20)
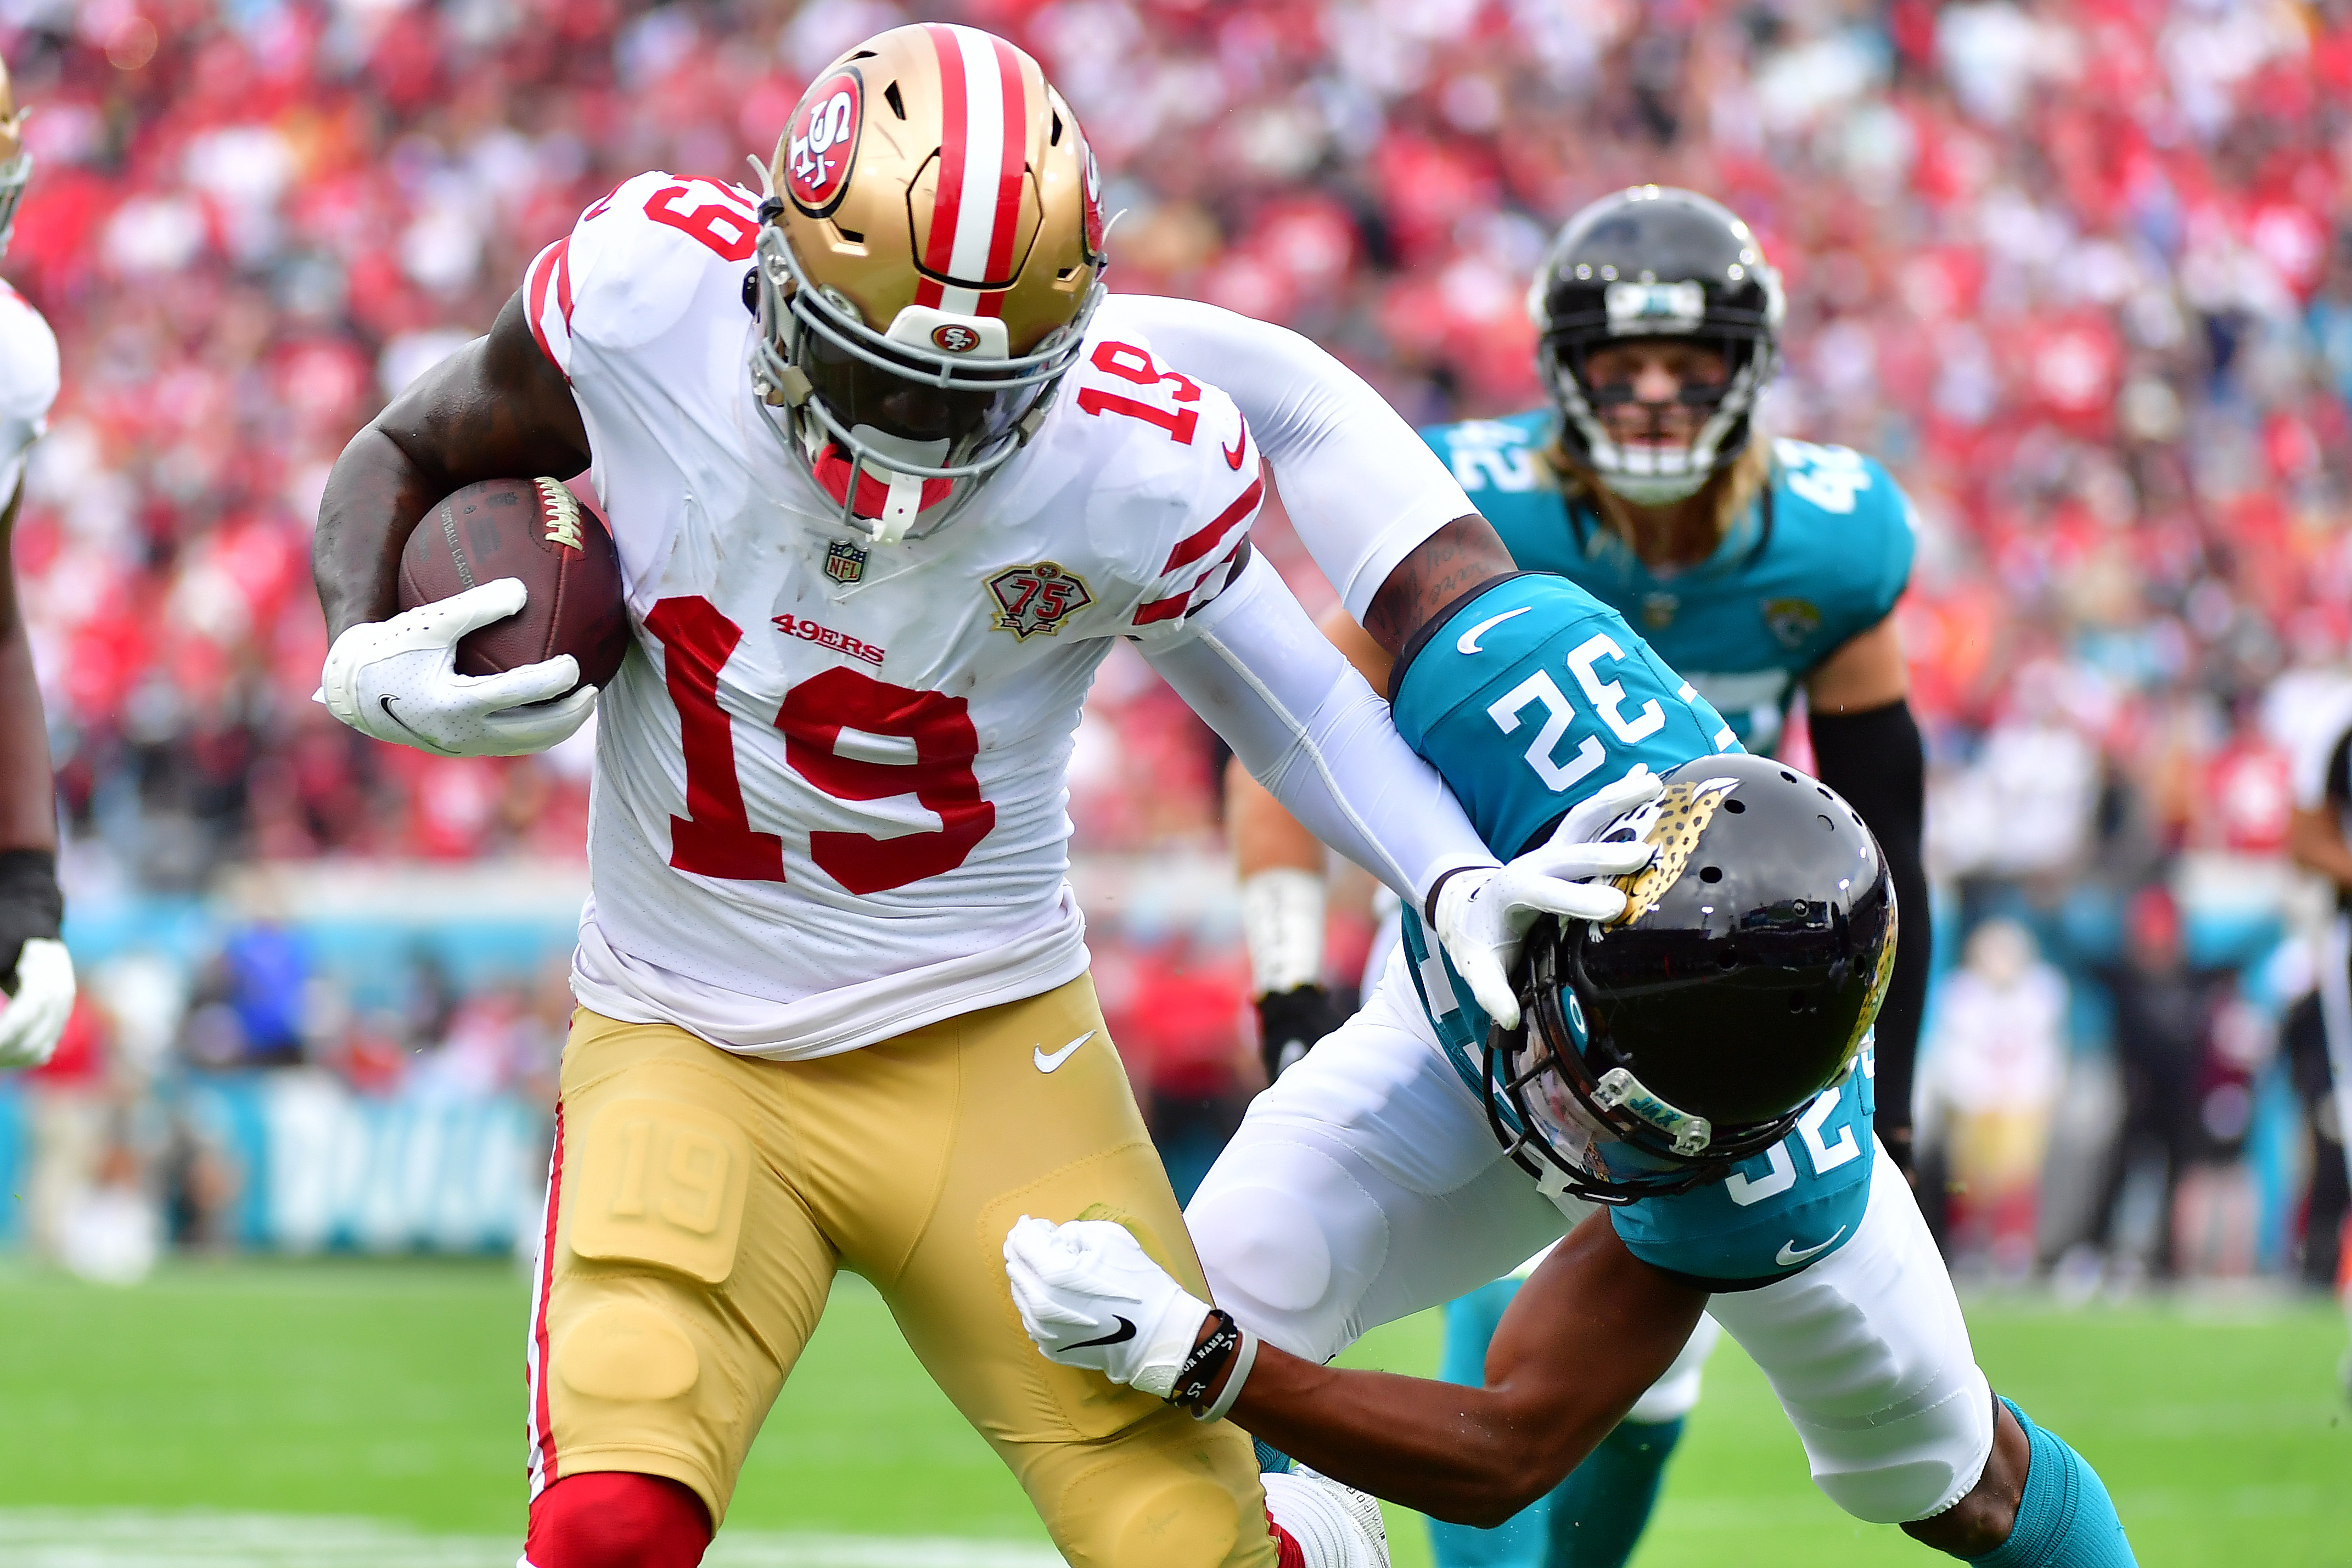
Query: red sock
point(612, 1518)
point(1287, 1552)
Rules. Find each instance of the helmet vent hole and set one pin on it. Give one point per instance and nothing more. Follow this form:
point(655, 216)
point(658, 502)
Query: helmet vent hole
point(1825, 791)
point(1735, 807)
point(1827, 823)
point(1728, 959)
point(1796, 1001)
point(865, 55)
point(1710, 874)
point(1054, 138)
point(898, 105)
point(852, 236)
point(1789, 776)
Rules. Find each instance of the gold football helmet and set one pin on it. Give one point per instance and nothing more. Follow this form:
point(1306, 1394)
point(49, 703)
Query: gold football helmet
point(931, 249)
point(15, 164)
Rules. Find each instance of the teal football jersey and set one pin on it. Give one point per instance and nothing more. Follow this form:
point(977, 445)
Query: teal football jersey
point(1527, 699)
point(1822, 555)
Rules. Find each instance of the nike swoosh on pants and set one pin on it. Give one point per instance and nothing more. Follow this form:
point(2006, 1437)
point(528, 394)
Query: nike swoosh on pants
point(1790, 1254)
point(1047, 1063)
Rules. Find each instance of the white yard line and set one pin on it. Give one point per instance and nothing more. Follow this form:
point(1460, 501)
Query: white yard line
point(128, 1538)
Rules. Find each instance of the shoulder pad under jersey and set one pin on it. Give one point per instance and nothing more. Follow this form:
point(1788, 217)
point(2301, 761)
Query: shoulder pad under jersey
point(1853, 528)
point(1170, 475)
point(637, 261)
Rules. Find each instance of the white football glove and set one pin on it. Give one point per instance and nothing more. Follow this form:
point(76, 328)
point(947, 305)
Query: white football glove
point(397, 680)
point(1482, 914)
point(35, 1016)
point(1091, 1297)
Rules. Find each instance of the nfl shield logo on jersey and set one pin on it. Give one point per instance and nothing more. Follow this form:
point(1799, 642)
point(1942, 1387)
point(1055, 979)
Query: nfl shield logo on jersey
point(1033, 599)
point(844, 562)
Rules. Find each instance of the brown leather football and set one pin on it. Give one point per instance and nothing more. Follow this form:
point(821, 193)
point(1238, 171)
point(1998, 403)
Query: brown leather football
point(535, 529)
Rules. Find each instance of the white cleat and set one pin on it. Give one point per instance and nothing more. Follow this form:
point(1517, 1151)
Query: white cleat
point(1335, 1526)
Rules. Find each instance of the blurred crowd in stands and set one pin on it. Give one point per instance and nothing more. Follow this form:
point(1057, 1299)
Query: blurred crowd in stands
point(2079, 271)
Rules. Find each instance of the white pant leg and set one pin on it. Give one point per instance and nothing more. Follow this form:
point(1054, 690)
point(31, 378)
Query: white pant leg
point(1363, 1186)
point(1870, 1357)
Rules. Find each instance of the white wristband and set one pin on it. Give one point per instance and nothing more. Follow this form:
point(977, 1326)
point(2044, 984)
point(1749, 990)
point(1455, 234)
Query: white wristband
point(1282, 926)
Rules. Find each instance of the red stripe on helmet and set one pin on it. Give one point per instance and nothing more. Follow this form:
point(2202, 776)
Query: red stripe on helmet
point(1011, 168)
point(955, 113)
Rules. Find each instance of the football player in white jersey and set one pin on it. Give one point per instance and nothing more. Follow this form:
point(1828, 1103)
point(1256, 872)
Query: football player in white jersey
point(35, 972)
point(887, 471)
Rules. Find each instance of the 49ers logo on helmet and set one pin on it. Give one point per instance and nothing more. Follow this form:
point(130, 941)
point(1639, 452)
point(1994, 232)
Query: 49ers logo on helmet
point(956, 338)
point(822, 143)
point(1094, 218)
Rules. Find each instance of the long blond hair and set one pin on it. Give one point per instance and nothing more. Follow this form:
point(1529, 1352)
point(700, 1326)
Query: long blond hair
point(1730, 490)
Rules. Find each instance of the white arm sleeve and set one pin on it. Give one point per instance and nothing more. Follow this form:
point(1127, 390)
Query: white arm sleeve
point(1307, 727)
point(1361, 488)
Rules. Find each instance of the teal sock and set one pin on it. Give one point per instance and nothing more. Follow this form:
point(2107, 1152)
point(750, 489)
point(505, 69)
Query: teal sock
point(1271, 1460)
point(2065, 1520)
point(1598, 1513)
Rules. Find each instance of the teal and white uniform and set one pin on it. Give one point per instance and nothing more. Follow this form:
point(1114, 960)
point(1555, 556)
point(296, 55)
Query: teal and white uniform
point(1367, 1184)
point(1820, 557)
point(1560, 699)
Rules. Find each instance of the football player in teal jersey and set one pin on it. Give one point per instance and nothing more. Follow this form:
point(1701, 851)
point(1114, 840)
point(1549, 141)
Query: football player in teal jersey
point(1757, 569)
point(1691, 1055)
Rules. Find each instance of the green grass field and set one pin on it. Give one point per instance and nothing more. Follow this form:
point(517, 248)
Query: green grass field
point(393, 1392)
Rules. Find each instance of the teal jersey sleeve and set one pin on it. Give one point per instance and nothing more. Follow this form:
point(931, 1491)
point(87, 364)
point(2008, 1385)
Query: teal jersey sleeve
point(1794, 1204)
point(1527, 698)
point(1851, 532)
point(1532, 695)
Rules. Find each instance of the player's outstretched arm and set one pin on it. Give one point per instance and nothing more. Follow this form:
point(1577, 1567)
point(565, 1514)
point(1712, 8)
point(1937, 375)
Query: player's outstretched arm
point(1280, 865)
point(494, 408)
point(1868, 748)
point(1592, 1330)
point(1310, 729)
point(1380, 512)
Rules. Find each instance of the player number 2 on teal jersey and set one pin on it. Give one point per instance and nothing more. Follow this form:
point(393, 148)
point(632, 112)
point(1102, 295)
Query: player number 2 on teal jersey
point(1607, 699)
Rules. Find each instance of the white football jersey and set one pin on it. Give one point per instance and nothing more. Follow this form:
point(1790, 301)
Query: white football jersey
point(28, 385)
point(830, 801)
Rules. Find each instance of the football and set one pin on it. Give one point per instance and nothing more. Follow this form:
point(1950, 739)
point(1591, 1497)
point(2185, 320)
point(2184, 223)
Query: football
point(535, 529)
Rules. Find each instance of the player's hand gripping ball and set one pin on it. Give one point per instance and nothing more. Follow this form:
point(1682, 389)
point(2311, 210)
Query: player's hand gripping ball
point(511, 619)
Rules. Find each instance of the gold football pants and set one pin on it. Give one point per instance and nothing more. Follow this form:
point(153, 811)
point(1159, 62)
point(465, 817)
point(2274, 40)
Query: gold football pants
point(701, 1202)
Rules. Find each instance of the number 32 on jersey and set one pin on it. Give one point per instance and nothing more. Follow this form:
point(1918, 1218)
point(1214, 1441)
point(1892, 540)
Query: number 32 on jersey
point(929, 736)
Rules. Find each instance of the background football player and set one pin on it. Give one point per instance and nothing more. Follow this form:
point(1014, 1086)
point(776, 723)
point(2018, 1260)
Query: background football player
point(1696, 1059)
point(1758, 569)
point(835, 1010)
point(34, 970)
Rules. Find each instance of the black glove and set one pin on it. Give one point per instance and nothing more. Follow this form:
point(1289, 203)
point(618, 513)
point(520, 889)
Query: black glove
point(1290, 1023)
point(30, 906)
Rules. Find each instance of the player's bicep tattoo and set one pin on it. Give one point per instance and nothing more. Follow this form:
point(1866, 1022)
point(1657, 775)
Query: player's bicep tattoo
point(1458, 557)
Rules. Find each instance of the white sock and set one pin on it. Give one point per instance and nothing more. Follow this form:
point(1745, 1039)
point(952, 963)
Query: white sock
point(1335, 1526)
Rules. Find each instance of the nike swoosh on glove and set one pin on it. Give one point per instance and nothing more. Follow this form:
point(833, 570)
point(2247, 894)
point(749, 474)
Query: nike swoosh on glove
point(35, 1016)
point(397, 680)
point(1482, 914)
point(1091, 1297)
